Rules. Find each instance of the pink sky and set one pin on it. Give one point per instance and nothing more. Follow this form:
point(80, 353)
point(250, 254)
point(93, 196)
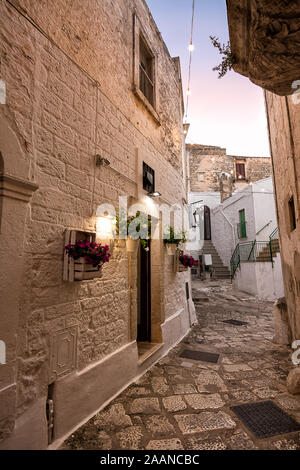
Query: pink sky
point(227, 112)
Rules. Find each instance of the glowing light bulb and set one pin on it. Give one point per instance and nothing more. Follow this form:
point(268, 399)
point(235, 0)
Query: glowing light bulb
point(191, 47)
point(188, 92)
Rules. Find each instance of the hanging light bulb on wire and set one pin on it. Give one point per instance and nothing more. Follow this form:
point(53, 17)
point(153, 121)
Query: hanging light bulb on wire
point(191, 48)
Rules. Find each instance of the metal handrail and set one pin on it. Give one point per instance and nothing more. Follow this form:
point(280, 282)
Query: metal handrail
point(275, 232)
point(253, 245)
point(235, 260)
point(272, 237)
point(253, 251)
point(265, 226)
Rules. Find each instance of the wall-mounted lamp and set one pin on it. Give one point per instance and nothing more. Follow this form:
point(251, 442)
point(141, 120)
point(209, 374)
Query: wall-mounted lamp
point(101, 161)
point(154, 194)
point(104, 228)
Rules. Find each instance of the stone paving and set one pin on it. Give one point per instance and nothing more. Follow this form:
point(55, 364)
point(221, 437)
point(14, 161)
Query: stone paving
point(185, 404)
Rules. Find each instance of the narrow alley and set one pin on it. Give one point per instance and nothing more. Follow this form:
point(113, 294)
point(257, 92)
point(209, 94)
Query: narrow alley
point(182, 403)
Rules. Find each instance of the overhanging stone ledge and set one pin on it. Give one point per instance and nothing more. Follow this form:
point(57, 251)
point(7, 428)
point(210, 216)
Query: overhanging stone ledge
point(265, 42)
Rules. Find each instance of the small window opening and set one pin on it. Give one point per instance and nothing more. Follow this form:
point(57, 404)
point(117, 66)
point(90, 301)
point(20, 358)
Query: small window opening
point(292, 214)
point(146, 72)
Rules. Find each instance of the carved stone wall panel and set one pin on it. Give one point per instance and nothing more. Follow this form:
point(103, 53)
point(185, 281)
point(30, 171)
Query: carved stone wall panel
point(63, 353)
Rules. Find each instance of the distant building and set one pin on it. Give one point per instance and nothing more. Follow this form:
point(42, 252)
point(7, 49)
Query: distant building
point(212, 177)
point(245, 234)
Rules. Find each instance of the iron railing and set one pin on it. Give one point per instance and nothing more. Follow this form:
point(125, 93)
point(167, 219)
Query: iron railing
point(254, 251)
point(274, 234)
point(273, 238)
point(264, 227)
point(235, 261)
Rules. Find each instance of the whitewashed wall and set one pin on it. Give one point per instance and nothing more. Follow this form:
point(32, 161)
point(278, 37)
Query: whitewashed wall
point(261, 279)
point(263, 197)
point(259, 205)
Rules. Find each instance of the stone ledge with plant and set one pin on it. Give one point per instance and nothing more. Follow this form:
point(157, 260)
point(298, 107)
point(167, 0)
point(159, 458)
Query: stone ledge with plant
point(173, 239)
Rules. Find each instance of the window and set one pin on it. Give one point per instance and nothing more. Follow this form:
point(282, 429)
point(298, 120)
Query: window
point(292, 214)
point(148, 178)
point(240, 171)
point(241, 227)
point(146, 72)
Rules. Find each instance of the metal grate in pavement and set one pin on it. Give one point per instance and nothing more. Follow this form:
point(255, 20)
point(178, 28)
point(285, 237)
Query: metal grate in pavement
point(200, 356)
point(265, 419)
point(235, 322)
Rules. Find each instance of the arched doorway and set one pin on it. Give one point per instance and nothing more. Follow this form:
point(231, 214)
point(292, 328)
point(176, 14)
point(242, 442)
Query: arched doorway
point(207, 224)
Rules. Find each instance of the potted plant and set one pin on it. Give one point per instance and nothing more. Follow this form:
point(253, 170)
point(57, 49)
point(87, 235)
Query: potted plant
point(88, 258)
point(183, 261)
point(187, 261)
point(132, 243)
point(172, 240)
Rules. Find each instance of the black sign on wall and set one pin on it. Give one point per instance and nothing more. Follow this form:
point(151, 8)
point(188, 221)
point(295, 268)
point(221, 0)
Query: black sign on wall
point(148, 178)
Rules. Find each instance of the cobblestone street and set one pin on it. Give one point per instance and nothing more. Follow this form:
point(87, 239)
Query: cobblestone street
point(184, 403)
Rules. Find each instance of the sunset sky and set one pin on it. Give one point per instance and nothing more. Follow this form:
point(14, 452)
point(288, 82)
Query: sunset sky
point(227, 112)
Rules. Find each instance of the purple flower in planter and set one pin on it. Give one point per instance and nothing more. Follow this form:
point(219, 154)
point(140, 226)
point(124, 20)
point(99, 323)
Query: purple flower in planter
point(93, 253)
point(187, 261)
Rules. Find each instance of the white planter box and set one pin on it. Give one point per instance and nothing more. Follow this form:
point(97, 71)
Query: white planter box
point(131, 245)
point(84, 271)
point(79, 270)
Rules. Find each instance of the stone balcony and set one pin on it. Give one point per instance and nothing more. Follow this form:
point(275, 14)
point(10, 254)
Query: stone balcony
point(265, 42)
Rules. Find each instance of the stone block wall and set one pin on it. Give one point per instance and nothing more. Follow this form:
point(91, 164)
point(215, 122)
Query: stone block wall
point(68, 75)
point(206, 163)
point(284, 128)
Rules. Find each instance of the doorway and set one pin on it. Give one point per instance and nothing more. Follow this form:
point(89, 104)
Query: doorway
point(144, 294)
point(207, 224)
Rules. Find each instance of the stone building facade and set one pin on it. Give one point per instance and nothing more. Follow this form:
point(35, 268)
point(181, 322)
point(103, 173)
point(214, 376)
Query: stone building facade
point(73, 73)
point(284, 128)
point(206, 164)
point(264, 40)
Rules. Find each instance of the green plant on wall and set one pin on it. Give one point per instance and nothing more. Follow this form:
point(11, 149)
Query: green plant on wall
point(172, 238)
point(142, 226)
point(227, 57)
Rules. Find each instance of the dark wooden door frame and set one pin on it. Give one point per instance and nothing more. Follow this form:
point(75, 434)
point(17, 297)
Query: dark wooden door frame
point(144, 323)
point(207, 223)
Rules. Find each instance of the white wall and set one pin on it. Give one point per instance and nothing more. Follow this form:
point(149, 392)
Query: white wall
point(263, 196)
point(209, 199)
point(224, 219)
point(261, 279)
point(258, 202)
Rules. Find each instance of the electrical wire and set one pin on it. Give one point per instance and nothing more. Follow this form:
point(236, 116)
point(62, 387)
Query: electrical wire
point(190, 62)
